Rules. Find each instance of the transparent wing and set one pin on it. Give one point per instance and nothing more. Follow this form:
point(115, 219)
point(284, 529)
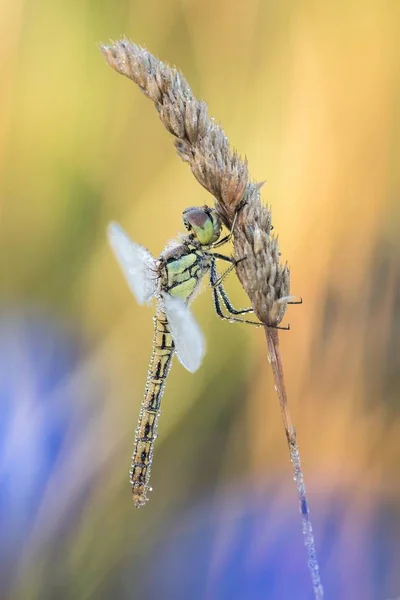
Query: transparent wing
point(187, 335)
point(137, 264)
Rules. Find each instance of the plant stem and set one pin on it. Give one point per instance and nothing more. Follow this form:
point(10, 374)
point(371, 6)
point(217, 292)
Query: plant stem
point(204, 146)
point(277, 368)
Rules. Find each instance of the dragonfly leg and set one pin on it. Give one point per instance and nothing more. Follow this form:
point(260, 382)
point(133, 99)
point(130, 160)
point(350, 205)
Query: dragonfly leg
point(233, 262)
point(229, 306)
point(228, 237)
point(219, 280)
point(222, 257)
point(219, 291)
point(222, 241)
point(239, 312)
point(230, 318)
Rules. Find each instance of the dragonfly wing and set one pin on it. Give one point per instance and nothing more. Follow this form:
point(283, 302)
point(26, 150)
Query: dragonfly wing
point(188, 338)
point(137, 264)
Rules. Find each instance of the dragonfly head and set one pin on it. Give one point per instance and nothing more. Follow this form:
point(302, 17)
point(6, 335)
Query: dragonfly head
point(203, 223)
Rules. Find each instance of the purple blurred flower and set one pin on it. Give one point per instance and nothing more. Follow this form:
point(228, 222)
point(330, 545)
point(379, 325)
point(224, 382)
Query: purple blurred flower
point(246, 547)
point(37, 357)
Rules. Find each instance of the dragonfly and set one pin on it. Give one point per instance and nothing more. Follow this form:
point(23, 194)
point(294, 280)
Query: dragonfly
point(173, 280)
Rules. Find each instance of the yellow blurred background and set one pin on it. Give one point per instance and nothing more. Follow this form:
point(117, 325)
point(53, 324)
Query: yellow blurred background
point(309, 92)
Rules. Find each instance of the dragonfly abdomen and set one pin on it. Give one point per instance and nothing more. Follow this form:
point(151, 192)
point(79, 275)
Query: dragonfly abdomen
point(146, 431)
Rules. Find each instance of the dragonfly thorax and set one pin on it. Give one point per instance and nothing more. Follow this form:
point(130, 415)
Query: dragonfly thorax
point(203, 223)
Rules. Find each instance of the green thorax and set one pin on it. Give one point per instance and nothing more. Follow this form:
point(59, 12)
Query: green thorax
point(182, 267)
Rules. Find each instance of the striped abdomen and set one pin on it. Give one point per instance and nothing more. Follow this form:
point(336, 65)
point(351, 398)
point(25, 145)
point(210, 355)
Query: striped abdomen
point(146, 431)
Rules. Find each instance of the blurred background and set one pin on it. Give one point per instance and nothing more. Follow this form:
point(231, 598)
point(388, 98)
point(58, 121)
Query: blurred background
point(309, 92)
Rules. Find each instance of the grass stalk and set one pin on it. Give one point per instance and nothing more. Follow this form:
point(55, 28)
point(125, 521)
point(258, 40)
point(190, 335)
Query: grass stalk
point(272, 336)
point(204, 145)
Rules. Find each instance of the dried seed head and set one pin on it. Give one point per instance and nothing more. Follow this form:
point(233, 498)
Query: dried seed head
point(200, 141)
point(263, 277)
point(220, 170)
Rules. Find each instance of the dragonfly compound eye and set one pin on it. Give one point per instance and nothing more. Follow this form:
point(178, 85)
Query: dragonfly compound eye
point(204, 222)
